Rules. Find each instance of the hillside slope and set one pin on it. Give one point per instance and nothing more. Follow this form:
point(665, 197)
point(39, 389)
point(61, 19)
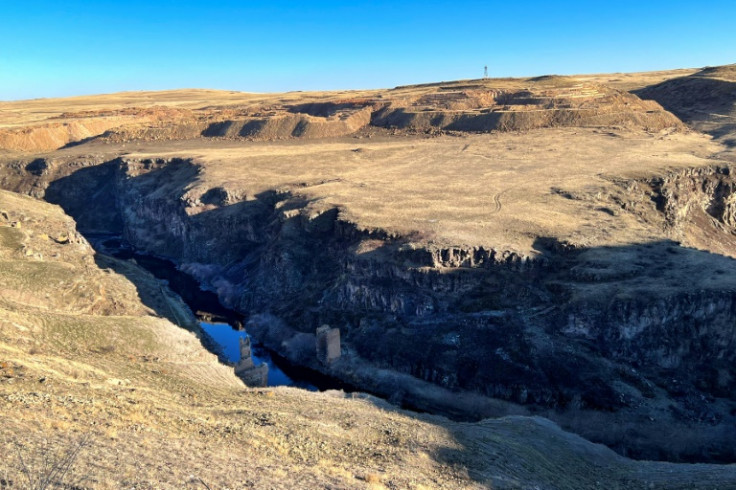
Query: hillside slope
point(706, 100)
point(463, 106)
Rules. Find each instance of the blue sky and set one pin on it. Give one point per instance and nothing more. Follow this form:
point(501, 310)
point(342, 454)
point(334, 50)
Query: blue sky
point(55, 48)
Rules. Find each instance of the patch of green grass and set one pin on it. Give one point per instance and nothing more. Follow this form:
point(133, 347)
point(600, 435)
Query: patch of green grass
point(102, 335)
point(36, 276)
point(10, 238)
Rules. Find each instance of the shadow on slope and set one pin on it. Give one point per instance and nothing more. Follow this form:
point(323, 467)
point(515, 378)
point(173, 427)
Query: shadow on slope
point(705, 100)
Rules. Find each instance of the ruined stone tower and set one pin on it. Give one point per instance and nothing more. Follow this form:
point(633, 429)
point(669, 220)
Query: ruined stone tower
point(328, 344)
point(246, 369)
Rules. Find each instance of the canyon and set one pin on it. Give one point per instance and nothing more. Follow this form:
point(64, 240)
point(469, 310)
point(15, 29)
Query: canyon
point(548, 249)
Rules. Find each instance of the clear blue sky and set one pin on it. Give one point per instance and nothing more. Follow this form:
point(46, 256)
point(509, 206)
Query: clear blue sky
point(60, 48)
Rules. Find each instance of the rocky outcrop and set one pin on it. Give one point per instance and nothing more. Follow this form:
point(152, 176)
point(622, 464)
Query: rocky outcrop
point(226, 125)
point(543, 104)
point(292, 125)
point(68, 129)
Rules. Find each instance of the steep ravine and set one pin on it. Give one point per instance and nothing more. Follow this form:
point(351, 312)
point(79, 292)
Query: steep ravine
point(587, 337)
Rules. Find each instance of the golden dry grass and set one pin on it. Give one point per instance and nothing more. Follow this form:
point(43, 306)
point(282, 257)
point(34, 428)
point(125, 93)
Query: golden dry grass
point(501, 190)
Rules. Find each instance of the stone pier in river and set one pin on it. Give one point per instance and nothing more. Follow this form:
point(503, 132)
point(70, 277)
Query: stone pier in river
point(246, 369)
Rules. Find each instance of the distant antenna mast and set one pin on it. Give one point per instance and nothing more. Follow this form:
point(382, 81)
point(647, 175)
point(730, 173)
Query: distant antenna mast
point(485, 71)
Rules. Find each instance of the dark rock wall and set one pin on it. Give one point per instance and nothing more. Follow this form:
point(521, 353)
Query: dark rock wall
point(460, 318)
point(539, 330)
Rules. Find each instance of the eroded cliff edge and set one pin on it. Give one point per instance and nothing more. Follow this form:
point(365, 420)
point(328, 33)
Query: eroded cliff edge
point(587, 297)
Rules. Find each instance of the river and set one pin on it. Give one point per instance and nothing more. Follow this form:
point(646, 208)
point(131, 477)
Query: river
point(223, 326)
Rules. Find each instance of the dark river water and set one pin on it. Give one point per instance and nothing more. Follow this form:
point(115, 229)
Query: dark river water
point(222, 325)
point(228, 340)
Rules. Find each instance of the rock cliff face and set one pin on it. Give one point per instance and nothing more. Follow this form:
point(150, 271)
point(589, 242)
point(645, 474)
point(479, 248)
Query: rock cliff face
point(572, 332)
